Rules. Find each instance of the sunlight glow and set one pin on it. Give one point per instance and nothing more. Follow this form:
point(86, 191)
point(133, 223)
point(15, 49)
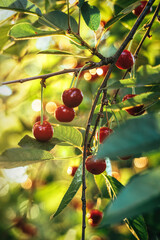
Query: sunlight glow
point(141, 162)
point(99, 71)
point(51, 107)
point(17, 175)
point(36, 105)
point(5, 91)
point(87, 76)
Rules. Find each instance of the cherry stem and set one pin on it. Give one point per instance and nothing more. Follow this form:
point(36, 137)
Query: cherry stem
point(42, 86)
point(76, 82)
point(72, 80)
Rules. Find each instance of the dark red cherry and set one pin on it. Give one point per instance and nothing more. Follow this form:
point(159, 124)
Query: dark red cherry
point(125, 60)
point(134, 111)
point(95, 166)
point(42, 132)
point(72, 170)
point(104, 133)
point(64, 114)
point(94, 217)
point(137, 11)
point(72, 97)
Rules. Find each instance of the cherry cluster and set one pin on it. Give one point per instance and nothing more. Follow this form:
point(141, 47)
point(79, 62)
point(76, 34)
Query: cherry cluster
point(72, 98)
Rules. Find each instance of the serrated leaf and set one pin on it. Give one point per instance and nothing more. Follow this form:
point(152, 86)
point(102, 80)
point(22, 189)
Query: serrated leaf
point(136, 225)
point(20, 6)
point(91, 16)
point(68, 134)
point(145, 98)
point(72, 190)
point(27, 31)
point(59, 20)
point(139, 135)
point(145, 76)
point(140, 195)
point(122, 14)
point(28, 141)
point(17, 157)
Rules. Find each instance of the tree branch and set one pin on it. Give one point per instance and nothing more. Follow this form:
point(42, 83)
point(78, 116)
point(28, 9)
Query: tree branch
point(103, 85)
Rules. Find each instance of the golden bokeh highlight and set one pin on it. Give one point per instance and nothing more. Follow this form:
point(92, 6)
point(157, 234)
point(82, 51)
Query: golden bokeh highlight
point(51, 107)
point(36, 105)
point(141, 162)
point(99, 71)
point(93, 71)
point(116, 175)
point(87, 76)
point(27, 184)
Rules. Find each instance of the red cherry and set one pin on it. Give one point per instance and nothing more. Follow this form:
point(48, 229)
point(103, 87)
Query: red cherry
point(42, 132)
point(95, 166)
point(64, 114)
point(104, 133)
point(94, 217)
point(72, 97)
point(137, 11)
point(125, 60)
point(72, 170)
point(134, 111)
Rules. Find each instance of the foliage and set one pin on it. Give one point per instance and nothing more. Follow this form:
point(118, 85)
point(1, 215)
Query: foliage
point(65, 44)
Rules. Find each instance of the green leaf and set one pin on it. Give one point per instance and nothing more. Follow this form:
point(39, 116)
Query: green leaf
point(124, 3)
point(137, 225)
point(145, 76)
point(20, 6)
point(145, 98)
point(140, 195)
point(3, 37)
point(80, 4)
point(91, 16)
point(30, 142)
point(135, 136)
point(17, 157)
point(60, 53)
point(59, 20)
point(72, 190)
point(23, 31)
point(68, 134)
point(101, 184)
point(122, 14)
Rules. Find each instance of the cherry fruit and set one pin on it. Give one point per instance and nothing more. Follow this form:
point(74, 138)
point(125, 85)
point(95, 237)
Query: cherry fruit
point(95, 166)
point(104, 133)
point(137, 11)
point(72, 97)
point(125, 60)
point(94, 217)
point(134, 111)
point(64, 113)
point(72, 170)
point(42, 132)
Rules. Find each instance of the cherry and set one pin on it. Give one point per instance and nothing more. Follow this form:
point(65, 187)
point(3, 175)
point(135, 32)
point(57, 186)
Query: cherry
point(64, 113)
point(125, 60)
point(94, 217)
point(104, 133)
point(137, 11)
point(72, 170)
point(72, 97)
point(95, 166)
point(134, 111)
point(42, 132)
